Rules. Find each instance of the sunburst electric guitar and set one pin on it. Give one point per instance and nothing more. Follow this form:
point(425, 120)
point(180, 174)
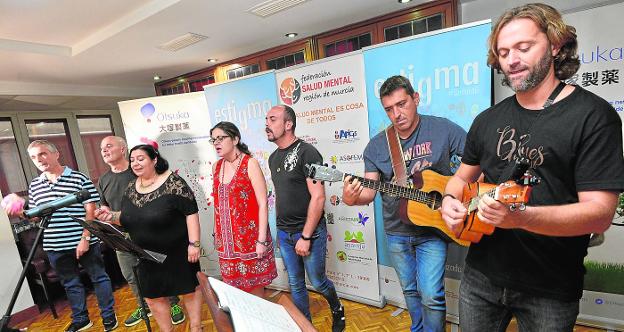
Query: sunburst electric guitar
point(423, 204)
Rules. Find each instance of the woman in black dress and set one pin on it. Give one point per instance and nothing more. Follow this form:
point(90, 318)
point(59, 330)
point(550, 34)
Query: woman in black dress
point(159, 212)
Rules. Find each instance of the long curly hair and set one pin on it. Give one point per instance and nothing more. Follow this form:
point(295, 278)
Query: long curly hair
point(550, 22)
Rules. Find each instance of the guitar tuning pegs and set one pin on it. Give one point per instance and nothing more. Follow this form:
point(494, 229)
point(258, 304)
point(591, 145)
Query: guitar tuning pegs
point(513, 207)
point(314, 181)
point(334, 166)
point(323, 183)
point(522, 207)
point(325, 164)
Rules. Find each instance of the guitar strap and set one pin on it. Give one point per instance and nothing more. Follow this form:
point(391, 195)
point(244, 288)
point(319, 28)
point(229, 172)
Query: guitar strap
point(396, 156)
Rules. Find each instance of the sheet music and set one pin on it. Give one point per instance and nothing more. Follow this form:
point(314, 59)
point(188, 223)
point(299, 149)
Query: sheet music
point(251, 313)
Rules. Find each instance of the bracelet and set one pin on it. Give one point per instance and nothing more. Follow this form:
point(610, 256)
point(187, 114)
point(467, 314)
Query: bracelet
point(306, 238)
point(448, 195)
point(264, 243)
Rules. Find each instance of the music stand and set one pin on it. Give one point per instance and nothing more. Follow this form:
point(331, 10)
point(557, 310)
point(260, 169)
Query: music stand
point(117, 240)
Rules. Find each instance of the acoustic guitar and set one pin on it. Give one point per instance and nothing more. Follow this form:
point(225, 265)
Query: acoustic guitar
point(423, 204)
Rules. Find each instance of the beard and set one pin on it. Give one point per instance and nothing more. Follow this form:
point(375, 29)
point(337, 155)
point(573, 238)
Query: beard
point(536, 75)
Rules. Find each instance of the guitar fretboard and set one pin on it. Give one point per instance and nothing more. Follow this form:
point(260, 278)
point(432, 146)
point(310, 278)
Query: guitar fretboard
point(395, 190)
point(473, 204)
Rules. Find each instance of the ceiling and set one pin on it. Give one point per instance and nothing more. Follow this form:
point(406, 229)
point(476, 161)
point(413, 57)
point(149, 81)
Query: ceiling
point(88, 54)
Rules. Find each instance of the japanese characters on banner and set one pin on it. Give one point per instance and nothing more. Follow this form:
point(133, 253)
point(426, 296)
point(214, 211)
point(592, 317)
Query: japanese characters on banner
point(245, 102)
point(180, 124)
point(448, 69)
point(600, 45)
point(329, 99)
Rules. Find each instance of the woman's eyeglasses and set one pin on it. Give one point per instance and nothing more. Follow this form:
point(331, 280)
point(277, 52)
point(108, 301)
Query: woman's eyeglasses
point(217, 139)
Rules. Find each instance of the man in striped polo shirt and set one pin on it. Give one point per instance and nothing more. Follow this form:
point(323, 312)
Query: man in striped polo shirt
point(65, 241)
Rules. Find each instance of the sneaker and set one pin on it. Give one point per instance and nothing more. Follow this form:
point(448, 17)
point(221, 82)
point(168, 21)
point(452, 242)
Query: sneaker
point(338, 322)
point(136, 317)
point(81, 326)
point(110, 323)
point(177, 315)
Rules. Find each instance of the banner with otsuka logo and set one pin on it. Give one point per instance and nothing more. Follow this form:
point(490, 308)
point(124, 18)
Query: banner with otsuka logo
point(329, 99)
point(180, 125)
point(602, 72)
point(448, 69)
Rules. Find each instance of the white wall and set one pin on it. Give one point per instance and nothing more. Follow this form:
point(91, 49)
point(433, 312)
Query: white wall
point(11, 269)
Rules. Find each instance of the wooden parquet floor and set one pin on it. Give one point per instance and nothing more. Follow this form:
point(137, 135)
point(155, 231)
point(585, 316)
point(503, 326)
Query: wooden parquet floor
point(360, 317)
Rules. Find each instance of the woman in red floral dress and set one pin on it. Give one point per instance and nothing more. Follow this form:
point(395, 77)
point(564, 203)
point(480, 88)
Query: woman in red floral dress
point(242, 236)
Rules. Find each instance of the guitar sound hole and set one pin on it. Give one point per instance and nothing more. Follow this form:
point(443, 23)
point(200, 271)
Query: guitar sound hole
point(435, 200)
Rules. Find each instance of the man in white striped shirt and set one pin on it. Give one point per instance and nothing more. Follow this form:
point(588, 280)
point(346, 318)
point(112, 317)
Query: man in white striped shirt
point(65, 241)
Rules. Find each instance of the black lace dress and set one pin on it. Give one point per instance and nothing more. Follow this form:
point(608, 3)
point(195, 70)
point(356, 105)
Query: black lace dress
point(157, 221)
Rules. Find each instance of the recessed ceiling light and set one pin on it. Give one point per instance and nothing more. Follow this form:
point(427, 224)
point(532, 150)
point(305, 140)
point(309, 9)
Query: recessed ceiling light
point(212, 60)
point(404, 1)
point(291, 35)
point(156, 77)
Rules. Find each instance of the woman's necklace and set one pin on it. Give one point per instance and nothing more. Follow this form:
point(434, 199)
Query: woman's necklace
point(147, 185)
point(239, 158)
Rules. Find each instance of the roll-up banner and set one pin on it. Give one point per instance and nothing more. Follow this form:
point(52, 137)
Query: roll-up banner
point(329, 99)
point(179, 124)
point(245, 102)
point(448, 69)
point(600, 44)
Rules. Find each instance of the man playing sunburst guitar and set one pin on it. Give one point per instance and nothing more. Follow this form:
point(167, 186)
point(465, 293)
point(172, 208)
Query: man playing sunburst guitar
point(531, 267)
point(417, 253)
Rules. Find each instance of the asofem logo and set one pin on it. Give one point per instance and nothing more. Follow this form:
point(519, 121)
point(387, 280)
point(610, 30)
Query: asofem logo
point(354, 240)
point(346, 158)
point(345, 135)
point(290, 91)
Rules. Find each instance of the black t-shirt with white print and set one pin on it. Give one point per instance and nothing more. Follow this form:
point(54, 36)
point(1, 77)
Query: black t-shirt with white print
point(574, 145)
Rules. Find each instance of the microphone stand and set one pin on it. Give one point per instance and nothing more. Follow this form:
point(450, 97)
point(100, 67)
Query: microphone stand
point(4, 323)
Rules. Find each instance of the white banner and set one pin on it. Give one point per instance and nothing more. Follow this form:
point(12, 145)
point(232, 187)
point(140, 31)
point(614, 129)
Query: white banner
point(329, 98)
point(180, 125)
point(602, 72)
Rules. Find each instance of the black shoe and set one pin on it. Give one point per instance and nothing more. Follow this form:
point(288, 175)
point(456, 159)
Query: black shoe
point(110, 323)
point(80, 326)
point(338, 322)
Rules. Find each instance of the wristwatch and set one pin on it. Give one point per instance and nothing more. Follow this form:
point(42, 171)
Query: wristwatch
point(88, 238)
point(195, 244)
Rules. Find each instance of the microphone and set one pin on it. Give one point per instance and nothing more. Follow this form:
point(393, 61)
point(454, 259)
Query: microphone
point(48, 208)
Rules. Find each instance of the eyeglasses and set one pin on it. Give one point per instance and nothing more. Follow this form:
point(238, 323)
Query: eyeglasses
point(217, 139)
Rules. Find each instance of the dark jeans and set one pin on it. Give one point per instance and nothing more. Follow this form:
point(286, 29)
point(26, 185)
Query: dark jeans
point(486, 307)
point(66, 266)
point(313, 264)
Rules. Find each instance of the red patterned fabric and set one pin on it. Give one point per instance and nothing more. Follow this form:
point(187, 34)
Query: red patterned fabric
point(236, 231)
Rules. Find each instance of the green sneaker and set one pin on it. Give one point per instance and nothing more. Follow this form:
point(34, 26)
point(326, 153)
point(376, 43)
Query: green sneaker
point(136, 317)
point(177, 315)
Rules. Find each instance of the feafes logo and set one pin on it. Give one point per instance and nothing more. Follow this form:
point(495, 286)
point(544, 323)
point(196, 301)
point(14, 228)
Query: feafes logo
point(346, 158)
point(354, 240)
point(342, 256)
point(290, 91)
point(345, 135)
point(334, 200)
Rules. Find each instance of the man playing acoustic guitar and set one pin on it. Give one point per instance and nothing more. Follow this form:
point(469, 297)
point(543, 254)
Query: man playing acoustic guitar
point(417, 253)
point(531, 267)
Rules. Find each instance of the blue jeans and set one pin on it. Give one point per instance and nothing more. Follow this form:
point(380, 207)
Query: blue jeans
point(314, 265)
point(486, 307)
point(419, 263)
point(66, 266)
